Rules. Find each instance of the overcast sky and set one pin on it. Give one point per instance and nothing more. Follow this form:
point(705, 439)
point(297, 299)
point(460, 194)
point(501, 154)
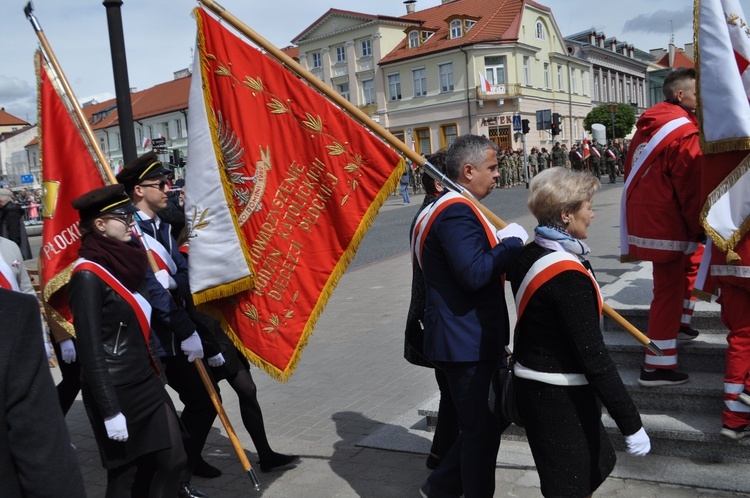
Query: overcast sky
point(160, 35)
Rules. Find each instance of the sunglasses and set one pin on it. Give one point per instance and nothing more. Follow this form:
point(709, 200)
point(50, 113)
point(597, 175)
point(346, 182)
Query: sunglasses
point(160, 185)
point(128, 219)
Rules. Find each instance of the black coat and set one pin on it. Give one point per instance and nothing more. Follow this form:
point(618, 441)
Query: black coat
point(36, 458)
point(111, 346)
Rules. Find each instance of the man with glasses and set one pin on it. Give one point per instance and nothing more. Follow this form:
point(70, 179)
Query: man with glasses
point(146, 183)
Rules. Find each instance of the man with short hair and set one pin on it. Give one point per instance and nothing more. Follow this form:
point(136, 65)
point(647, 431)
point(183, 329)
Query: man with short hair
point(466, 324)
point(660, 222)
point(558, 155)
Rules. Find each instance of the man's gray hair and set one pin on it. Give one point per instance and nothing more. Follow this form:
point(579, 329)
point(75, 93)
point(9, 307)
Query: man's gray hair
point(466, 149)
point(6, 194)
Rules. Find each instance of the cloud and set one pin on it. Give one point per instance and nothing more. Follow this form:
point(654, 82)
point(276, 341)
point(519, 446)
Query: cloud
point(18, 97)
point(659, 21)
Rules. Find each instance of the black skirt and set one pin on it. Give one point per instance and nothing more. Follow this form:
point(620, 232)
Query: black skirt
point(145, 405)
point(572, 452)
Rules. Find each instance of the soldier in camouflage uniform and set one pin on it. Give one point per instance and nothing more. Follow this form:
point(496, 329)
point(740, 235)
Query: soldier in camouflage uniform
point(558, 155)
point(612, 155)
point(533, 163)
point(595, 161)
point(502, 159)
point(544, 159)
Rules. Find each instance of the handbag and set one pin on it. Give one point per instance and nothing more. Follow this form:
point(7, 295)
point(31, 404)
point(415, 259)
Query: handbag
point(502, 400)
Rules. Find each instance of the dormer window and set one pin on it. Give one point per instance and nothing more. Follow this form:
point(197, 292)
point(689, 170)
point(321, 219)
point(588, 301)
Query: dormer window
point(469, 24)
point(539, 32)
point(456, 29)
point(426, 35)
point(414, 39)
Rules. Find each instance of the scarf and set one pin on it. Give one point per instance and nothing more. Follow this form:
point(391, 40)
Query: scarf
point(556, 238)
point(125, 261)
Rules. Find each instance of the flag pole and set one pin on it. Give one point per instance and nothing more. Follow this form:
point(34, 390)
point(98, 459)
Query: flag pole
point(28, 10)
point(355, 112)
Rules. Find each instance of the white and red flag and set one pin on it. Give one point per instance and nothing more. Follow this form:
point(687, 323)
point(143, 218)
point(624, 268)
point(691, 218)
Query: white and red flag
point(586, 149)
point(283, 189)
point(484, 84)
point(723, 84)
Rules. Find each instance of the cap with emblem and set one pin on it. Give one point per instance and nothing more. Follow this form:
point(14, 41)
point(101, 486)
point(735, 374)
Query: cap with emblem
point(111, 199)
point(140, 169)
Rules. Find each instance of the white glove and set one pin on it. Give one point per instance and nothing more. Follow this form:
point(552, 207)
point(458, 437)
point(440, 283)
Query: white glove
point(117, 429)
point(165, 279)
point(513, 230)
point(68, 350)
point(216, 361)
point(192, 347)
point(638, 444)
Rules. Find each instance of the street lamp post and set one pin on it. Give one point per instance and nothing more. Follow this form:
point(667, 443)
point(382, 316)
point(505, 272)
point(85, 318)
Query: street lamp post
point(612, 110)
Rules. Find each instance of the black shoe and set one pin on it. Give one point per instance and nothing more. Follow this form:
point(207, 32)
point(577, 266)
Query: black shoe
point(687, 333)
point(205, 469)
point(187, 490)
point(735, 433)
point(277, 462)
point(662, 377)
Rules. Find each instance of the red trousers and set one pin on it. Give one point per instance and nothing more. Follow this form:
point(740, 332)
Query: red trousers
point(673, 286)
point(734, 305)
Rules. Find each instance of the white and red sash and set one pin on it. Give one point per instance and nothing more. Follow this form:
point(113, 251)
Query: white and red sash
point(161, 255)
point(428, 216)
point(137, 302)
point(595, 151)
point(611, 154)
point(8, 279)
point(578, 154)
point(543, 270)
point(642, 159)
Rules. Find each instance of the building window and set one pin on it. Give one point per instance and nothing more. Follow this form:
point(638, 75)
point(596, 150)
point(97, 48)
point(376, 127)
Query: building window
point(165, 127)
point(413, 39)
point(423, 140)
point(340, 53)
point(494, 68)
point(179, 128)
point(317, 60)
point(446, 77)
point(560, 82)
point(368, 92)
point(546, 75)
point(456, 29)
point(420, 82)
point(400, 135)
point(573, 81)
point(150, 133)
point(426, 35)
point(343, 90)
point(583, 83)
point(449, 133)
point(469, 25)
point(526, 71)
point(394, 86)
point(596, 87)
point(539, 32)
point(366, 46)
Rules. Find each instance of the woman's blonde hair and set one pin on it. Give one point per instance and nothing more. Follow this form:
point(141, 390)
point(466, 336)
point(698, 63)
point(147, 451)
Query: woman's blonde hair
point(559, 189)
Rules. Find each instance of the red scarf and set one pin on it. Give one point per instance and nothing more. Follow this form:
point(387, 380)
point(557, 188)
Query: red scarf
point(125, 261)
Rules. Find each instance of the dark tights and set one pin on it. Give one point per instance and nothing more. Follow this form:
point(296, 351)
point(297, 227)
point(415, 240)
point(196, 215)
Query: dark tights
point(155, 475)
point(252, 417)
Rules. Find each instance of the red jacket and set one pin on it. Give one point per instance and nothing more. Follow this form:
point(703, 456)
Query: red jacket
point(663, 204)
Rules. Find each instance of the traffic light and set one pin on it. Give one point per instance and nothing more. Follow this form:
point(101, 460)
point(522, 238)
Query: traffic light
point(555, 126)
point(525, 126)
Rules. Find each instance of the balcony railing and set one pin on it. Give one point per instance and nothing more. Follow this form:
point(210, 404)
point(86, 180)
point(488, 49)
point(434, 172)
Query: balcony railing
point(364, 65)
point(499, 91)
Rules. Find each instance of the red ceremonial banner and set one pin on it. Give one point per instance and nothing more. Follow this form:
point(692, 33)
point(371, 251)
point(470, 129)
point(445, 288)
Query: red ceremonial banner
point(68, 171)
point(303, 182)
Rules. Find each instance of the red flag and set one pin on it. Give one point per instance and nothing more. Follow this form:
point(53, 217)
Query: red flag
point(586, 150)
point(68, 171)
point(283, 188)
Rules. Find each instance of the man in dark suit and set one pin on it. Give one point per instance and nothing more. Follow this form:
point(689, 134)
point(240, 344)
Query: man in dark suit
point(36, 457)
point(466, 326)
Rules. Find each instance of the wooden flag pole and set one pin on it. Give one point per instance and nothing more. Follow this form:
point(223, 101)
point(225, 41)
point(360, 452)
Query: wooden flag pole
point(103, 163)
point(397, 144)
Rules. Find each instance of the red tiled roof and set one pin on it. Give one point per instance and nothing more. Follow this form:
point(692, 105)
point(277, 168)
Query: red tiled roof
point(160, 99)
point(347, 13)
point(7, 119)
point(292, 51)
point(680, 60)
point(498, 21)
